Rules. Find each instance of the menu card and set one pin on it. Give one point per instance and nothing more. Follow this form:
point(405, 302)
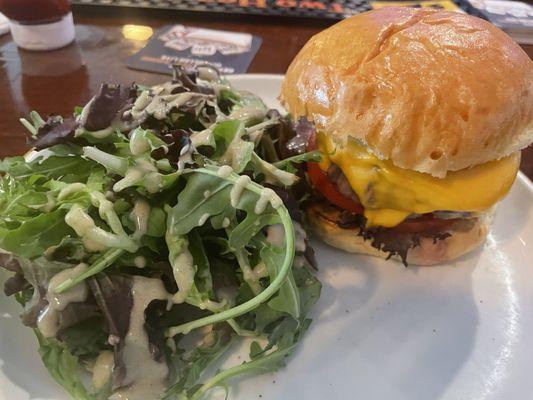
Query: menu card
point(229, 52)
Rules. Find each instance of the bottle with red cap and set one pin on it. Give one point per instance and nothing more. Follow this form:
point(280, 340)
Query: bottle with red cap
point(39, 24)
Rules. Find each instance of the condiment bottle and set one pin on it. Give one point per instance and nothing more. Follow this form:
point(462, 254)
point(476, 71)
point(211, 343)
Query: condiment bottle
point(39, 24)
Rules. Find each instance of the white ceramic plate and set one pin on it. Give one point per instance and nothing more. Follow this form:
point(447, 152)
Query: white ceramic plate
point(380, 331)
point(4, 24)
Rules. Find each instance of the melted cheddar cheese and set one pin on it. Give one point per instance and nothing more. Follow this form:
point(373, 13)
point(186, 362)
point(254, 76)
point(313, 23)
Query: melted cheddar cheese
point(389, 193)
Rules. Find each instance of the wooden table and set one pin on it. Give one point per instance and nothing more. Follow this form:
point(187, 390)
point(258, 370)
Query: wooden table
point(54, 82)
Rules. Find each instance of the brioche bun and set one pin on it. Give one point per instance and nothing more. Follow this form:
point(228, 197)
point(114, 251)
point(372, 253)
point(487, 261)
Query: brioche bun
point(321, 219)
point(432, 91)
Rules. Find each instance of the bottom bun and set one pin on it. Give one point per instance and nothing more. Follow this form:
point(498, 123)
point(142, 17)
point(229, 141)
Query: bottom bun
point(463, 239)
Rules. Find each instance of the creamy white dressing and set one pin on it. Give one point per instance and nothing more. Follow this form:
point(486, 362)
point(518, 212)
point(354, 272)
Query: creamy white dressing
point(260, 127)
point(224, 171)
point(184, 271)
point(135, 174)
point(145, 377)
point(138, 142)
point(102, 369)
point(275, 201)
point(203, 219)
point(145, 165)
point(69, 189)
point(48, 320)
point(42, 155)
point(153, 182)
point(185, 157)
point(218, 87)
point(207, 193)
point(110, 195)
point(235, 149)
point(256, 136)
point(50, 202)
point(137, 111)
point(82, 118)
point(131, 177)
point(159, 105)
point(225, 222)
point(92, 245)
point(94, 238)
point(202, 138)
point(139, 261)
point(101, 134)
point(260, 271)
point(79, 220)
point(163, 164)
point(276, 235)
point(103, 204)
point(247, 113)
point(264, 198)
point(274, 174)
point(48, 206)
point(211, 305)
point(238, 188)
point(140, 216)
point(207, 74)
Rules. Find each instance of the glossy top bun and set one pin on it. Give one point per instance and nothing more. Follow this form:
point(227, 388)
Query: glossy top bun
point(432, 91)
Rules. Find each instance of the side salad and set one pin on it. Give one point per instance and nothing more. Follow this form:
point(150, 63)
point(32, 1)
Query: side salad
point(151, 231)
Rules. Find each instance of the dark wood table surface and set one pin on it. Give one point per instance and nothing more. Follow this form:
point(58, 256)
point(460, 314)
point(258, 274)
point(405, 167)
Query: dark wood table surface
point(54, 82)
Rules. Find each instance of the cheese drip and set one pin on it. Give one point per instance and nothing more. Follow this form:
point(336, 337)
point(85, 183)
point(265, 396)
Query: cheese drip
point(389, 194)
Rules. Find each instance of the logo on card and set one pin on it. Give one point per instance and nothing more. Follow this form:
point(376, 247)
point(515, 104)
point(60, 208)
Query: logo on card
point(206, 42)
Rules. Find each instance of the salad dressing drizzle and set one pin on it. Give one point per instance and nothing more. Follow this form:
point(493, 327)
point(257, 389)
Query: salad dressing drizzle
point(140, 216)
point(48, 321)
point(265, 197)
point(145, 377)
point(184, 272)
point(224, 171)
point(238, 188)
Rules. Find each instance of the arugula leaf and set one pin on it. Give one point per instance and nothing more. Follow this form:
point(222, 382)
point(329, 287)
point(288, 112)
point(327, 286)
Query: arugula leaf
point(261, 363)
point(253, 223)
point(288, 298)
point(203, 278)
point(193, 205)
point(286, 164)
point(157, 223)
point(36, 235)
point(19, 200)
point(191, 365)
point(143, 141)
point(63, 366)
point(50, 168)
point(86, 338)
point(248, 108)
point(271, 173)
point(231, 149)
point(309, 287)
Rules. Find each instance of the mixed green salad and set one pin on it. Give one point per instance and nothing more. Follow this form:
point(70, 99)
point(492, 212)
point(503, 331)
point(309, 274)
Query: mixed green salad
point(151, 231)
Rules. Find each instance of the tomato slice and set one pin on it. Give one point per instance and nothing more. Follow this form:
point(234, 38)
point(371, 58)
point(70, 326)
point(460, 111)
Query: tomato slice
point(321, 182)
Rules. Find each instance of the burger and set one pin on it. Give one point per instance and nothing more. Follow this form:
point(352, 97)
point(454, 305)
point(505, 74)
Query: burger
point(419, 116)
